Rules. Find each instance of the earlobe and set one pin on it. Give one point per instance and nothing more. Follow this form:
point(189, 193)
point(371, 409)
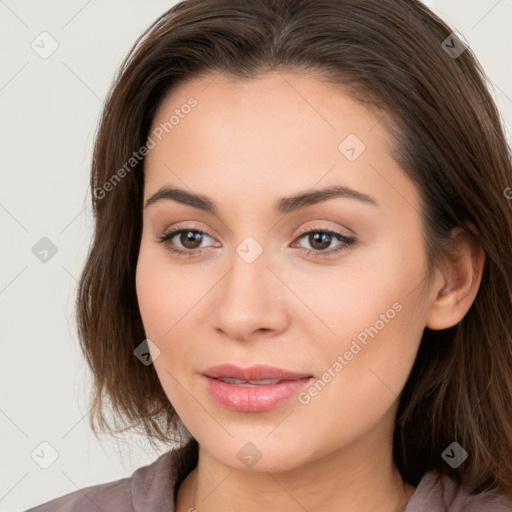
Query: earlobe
point(458, 286)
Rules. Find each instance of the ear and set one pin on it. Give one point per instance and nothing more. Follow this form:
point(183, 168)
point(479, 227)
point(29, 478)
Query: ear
point(456, 288)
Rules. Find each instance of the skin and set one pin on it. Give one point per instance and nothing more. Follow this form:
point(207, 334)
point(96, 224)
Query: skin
point(246, 144)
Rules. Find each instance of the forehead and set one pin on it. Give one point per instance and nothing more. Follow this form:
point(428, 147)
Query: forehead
point(303, 103)
point(278, 132)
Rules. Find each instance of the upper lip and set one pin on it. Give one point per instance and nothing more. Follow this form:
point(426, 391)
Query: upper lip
point(255, 372)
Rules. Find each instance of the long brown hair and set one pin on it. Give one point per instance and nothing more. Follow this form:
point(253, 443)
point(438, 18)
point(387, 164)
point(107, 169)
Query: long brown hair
point(448, 138)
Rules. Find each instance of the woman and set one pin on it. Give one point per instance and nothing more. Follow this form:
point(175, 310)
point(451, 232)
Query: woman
point(302, 255)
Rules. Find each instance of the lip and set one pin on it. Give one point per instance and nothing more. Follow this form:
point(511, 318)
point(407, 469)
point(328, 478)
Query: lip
point(247, 397)
point(255, 372)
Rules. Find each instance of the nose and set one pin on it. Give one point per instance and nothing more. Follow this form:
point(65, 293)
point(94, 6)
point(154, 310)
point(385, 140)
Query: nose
point(250, 299)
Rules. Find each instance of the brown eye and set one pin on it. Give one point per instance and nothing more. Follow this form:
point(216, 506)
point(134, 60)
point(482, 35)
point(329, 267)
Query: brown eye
point(319, 240)
point(186, 242)
point(191, 239)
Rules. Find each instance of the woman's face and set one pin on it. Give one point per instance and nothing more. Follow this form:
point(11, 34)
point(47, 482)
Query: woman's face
point(337, 317)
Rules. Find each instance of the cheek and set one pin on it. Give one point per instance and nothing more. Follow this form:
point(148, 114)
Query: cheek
point(164, 291)
point(151, 295)
point(362, 371)
point(373, 291)
point(173, 303)
point(157, 304)
point(164, 299)
point(375, 311)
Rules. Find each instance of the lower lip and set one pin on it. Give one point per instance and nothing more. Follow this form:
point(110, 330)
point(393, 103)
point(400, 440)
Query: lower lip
point(254, 399)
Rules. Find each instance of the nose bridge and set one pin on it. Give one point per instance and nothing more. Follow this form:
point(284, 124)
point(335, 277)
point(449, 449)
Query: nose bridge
point(249, 299)
point(249, 272)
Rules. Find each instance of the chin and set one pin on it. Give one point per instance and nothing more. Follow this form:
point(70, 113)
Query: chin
point(259, 454)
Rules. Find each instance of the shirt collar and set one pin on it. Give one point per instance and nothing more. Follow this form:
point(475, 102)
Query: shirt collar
point(152, 486)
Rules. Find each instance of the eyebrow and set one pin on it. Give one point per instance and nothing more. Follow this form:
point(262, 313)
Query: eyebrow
point(283, 205)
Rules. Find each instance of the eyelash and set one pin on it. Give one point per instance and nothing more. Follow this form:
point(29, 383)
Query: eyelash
point(344, 246)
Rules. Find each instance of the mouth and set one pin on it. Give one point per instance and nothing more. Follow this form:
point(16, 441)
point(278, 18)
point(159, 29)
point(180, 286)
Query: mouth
point(254, 389)
point(250, 383)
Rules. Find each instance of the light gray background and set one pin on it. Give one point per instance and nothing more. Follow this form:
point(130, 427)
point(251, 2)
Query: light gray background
point(50, 109)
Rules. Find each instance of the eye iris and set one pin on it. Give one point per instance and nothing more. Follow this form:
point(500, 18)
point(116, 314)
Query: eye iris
point(318, 238)
point(189, 238)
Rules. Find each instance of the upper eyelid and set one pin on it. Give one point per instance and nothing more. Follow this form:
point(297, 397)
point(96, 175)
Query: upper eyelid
point(301, 231)
point(313, 228)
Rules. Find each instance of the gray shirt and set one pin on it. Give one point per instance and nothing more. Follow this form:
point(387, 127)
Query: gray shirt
point(151, 489)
